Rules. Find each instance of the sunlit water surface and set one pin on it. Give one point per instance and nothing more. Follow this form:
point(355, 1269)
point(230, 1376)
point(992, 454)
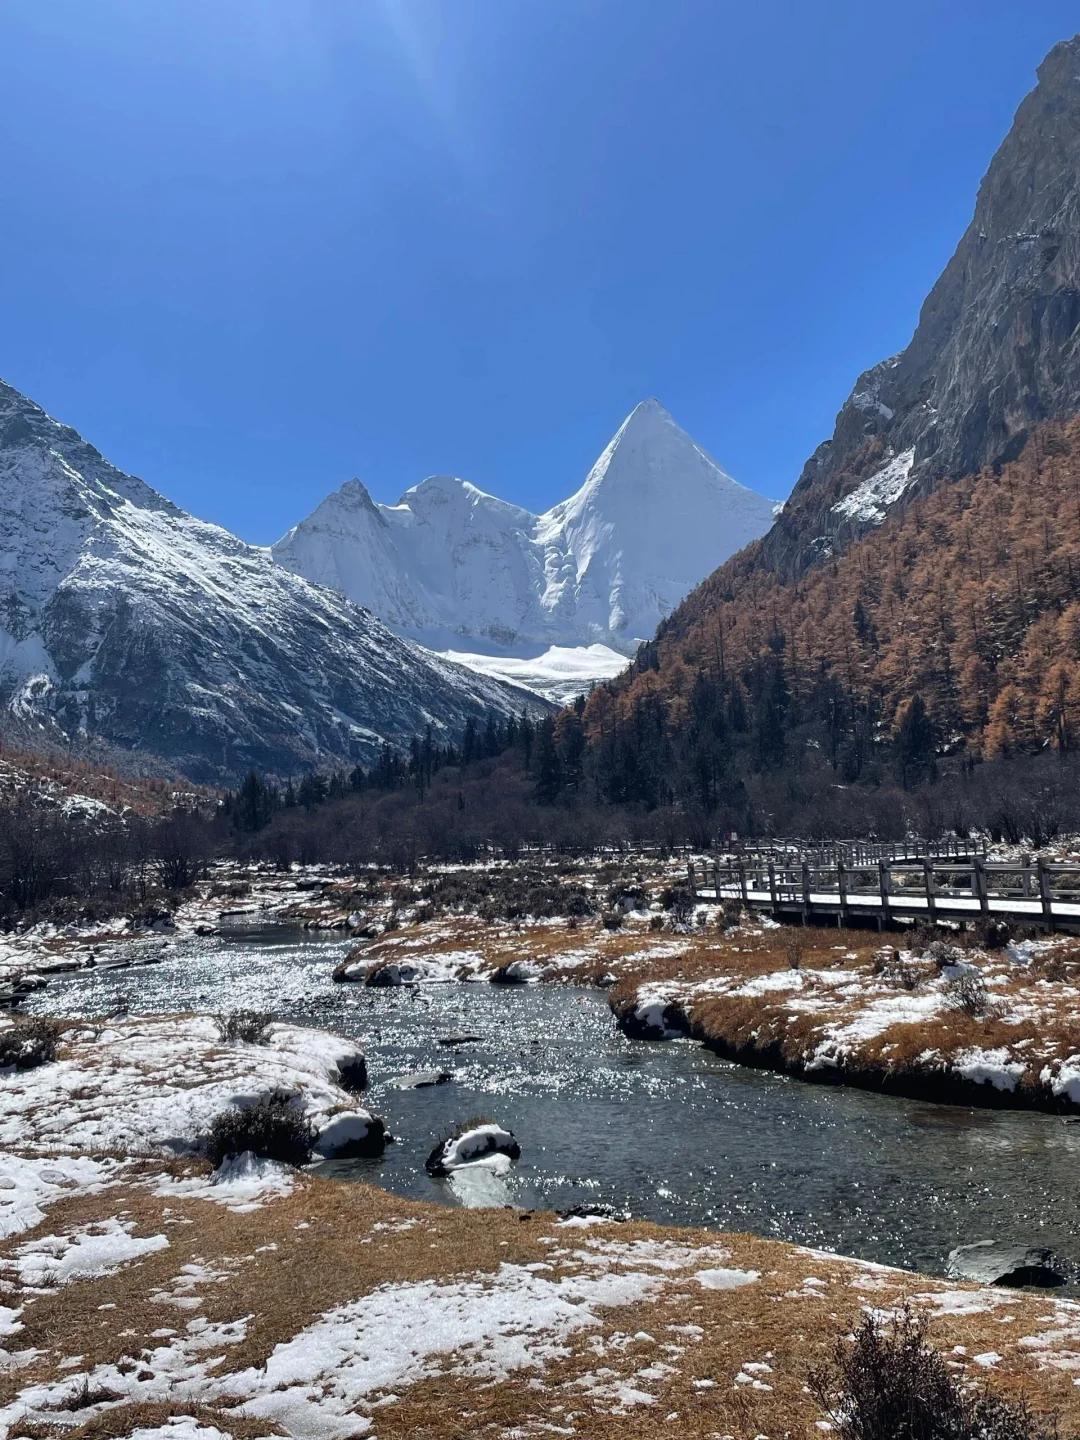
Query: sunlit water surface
point(667, 1131)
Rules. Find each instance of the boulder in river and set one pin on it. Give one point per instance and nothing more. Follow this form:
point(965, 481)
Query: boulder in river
point(351, 1132)
point(28, 981)
point(353, 969)
point(421, 1079)
point(988, 1263)
point(395, 972)
point(61, 967)
point(518, 972)
point(649, 1016)
point(472, 1146)
point(352, 1074)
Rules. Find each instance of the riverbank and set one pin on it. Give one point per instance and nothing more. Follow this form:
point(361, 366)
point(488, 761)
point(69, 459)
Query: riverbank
point(137, 1288)
point(927, 1015)
point(921, 1016)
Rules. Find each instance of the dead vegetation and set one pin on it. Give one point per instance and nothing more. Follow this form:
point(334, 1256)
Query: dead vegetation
point(274, 1128)
point(685, 1348)
point(247, 1027)
point(887, 1383)
point(29, 1043)
point(981, 1026)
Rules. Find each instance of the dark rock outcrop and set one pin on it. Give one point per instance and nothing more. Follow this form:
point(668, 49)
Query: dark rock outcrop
point(997, 348)
point(988, 1263)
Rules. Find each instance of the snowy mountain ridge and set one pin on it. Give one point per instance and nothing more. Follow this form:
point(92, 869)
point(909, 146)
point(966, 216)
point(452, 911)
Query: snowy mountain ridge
point(463, 571)
point(125, 619)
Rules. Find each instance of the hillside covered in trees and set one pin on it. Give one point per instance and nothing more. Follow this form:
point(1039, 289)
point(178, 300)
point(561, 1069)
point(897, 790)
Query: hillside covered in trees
point(951, 631)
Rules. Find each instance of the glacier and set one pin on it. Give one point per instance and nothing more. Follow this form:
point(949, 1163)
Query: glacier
point(127, 623)
point(489, 584)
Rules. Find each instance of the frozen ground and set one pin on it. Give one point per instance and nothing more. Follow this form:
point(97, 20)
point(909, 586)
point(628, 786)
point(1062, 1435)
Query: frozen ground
point(333, 1310)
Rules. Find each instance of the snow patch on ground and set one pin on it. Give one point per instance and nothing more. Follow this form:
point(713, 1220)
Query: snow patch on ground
point(321, 1382)
point(159, 1082)
point(240, 1183)
point(29, 1184)
point(90, 1250)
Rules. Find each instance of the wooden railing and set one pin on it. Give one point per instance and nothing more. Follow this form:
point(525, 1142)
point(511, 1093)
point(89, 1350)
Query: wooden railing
point(898, 890)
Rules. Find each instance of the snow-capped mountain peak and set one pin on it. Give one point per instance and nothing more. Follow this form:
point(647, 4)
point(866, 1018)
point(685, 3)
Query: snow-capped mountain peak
point(126, 620)
point(461, 570)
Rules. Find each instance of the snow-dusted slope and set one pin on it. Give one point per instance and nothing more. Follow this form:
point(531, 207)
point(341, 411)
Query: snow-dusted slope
point(464, 572)
point(560, 673)
point(122, 617)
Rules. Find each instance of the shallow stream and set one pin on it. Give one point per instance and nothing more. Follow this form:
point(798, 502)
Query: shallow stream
point(667, 1131)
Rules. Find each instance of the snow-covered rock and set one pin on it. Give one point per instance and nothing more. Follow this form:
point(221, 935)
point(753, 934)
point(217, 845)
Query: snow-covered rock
point(351, 1132)
point(477, 1145)
point(518, 972)
point(566, 593)
point(988, 1263)
point(122, 617)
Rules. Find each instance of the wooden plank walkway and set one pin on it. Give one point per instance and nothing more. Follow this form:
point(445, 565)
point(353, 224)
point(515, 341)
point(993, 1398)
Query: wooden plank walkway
point(896, 892)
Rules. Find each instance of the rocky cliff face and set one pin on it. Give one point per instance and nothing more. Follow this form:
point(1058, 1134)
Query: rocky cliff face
point(124, 619)
point(997, 347)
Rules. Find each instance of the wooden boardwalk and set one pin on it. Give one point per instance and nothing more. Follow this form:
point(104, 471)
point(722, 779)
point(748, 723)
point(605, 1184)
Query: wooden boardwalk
point(892, 891)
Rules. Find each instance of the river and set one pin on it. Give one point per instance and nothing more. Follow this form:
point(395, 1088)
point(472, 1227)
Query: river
point(667, 1131)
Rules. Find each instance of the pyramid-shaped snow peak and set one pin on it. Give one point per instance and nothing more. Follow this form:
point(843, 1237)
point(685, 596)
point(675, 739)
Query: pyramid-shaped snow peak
point(454, 567)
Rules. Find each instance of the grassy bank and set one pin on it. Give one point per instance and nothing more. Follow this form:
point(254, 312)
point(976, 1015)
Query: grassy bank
point(134, 1290)
point(925, 1016)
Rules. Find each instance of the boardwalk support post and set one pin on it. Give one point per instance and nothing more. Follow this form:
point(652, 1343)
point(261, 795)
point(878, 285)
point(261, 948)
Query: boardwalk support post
point(772, 890)
point(931, 903)
point(883, 885)
point(841, 886)
point(742, 882)
point(805, 893)
point(980, 885)
point(1044, 892)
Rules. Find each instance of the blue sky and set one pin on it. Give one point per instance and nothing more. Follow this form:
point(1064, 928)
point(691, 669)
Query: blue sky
point(251, 248)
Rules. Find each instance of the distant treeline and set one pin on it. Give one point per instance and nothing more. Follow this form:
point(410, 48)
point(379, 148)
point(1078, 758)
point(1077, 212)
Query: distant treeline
point(521, 785)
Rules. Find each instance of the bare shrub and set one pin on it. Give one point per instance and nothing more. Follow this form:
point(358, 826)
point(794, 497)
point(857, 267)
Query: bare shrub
point(794, 947)
point(902, 975)
point(611, 920)
point(729, 914)
point(248, 1027)
point(921, 936)
point(967, 992)
point(656, 922)
point(991, 933)
point(883, 958)
point(942, 953)
point(678, 901)
point(29, 1043)
point(891, 1385)
point(274, 1128)
point(895, 971)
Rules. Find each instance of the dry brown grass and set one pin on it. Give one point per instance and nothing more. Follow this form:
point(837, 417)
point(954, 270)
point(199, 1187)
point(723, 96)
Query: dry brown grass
point(340, 1256)
point(1031, 1013)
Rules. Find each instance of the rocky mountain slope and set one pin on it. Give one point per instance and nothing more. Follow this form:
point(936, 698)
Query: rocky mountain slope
point(997, 348)
point(918, 601)
point(126, 619)
point(461, 570)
